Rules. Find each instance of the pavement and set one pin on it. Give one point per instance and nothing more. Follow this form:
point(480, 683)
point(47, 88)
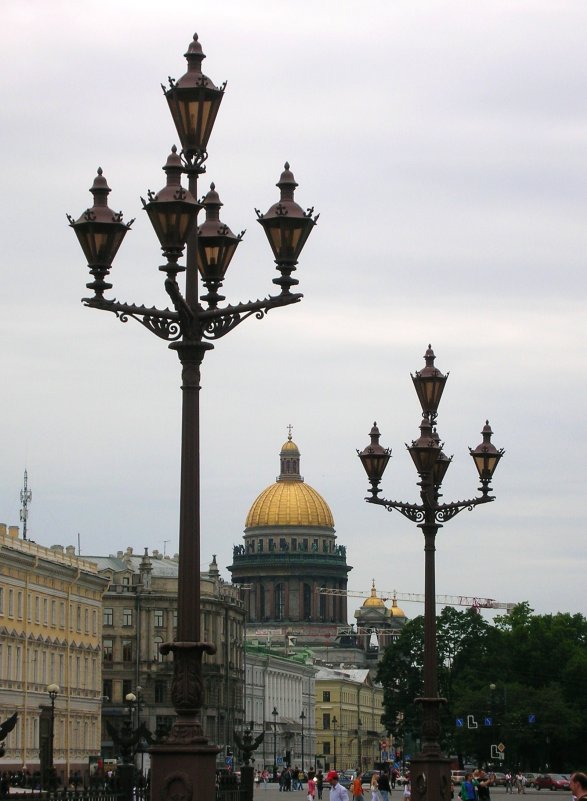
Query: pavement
point(272, 793)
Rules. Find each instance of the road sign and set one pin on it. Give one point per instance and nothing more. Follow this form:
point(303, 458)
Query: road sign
point(471, 722)
point(279, 760)
point(487, 721)
point(531, 718)
point(228, 760)
point(501, 748)
point(385, 756)
point(460, 723)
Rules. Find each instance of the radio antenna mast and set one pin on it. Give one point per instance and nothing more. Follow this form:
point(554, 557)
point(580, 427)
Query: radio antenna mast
point(26, 497)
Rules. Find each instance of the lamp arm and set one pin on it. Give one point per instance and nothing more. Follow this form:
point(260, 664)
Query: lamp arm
point(164, 323)
point(218, 322)
point(443, 512)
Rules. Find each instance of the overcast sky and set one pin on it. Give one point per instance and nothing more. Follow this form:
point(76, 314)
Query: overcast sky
point(444, 145)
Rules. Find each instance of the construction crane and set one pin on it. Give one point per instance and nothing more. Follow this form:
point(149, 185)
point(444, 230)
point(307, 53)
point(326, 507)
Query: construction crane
point(416, 597)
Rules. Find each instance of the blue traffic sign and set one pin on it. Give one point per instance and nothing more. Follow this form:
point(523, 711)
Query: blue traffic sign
point(460, 723)
point(531, 718)
point(488, 721)
point(279, 760)
point(228, 760)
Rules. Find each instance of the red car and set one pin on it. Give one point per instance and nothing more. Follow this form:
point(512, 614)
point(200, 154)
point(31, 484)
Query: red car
point(552, 781)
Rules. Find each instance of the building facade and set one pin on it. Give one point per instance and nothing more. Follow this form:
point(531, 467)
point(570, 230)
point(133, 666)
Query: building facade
point(349, 732)
point(289, 553)
point(280, 701)
point(139, 614)
point(50, 633)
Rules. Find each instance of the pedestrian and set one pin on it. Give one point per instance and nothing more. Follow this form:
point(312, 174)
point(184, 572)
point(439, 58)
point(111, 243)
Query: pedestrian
point(467, 792)
point(357, 787)
point(384, 786)
point(508, 782)
point(482, 782)
point(578, 784)
point(311, 787)
point(407, 791)
point(375, 796)
point(520, 784)
point(319, 783)
point(337, 791)
point(265, 778)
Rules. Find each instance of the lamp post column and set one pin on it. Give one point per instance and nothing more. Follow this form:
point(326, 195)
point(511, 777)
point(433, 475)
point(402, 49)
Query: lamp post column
point(334, 724)
point(53, 690)
point(275, 714)
point(302, 718)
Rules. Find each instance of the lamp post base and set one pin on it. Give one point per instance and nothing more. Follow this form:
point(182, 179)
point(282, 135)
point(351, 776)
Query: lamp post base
point(430, 778)
point(183, 772)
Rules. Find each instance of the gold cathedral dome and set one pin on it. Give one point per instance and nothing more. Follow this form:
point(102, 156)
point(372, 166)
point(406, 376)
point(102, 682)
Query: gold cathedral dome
point(290, 501)
point(373, 600)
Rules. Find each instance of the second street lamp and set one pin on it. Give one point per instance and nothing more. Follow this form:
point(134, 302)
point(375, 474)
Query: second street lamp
point(430, 770)
point(184, 764)
point(275, 713)
point(302, 718)
point(53, 690)
point(334, 725)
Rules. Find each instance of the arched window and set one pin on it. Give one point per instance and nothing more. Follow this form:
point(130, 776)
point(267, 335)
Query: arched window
point(157, 656)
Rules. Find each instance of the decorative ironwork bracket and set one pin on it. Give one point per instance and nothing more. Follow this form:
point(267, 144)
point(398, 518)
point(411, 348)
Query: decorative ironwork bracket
point(443, 512)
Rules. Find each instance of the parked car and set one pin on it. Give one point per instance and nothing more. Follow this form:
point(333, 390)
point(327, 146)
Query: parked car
point(458, 776)
point(531, 779)
point(552, 781)
point(499, 779)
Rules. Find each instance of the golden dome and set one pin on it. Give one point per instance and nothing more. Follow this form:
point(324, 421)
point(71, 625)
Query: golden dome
point(290, 503)
point(373, 600)
point(290, 447)
point(396, 611)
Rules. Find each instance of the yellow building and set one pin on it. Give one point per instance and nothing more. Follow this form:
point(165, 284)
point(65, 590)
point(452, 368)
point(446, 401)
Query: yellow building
point(50, 633)
point(349, 705)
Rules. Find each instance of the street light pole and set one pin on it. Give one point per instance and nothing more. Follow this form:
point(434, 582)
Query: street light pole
point(334, 725)
point(275, 713)
point(302, 718)
point(359, 746)
point(53, 690)
point(185, 761)
point(430, 770)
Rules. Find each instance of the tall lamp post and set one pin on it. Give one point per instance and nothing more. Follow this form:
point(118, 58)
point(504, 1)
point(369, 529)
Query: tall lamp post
point(185, 761)
point(430, 770)
point(359, 746)
point(302, 718)
point(334, 725)
point(53, 691)
point(275, 713)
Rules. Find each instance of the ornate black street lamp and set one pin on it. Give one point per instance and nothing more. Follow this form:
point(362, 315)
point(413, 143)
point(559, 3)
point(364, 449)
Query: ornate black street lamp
point(53, 690)
point(186, 757)
point(302, 718)
point(334, 725)
point(430, 770)
point(359, 746)
point(275, 713)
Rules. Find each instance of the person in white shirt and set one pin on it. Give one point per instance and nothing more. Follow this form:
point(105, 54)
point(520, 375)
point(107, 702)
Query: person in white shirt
point(337, 791)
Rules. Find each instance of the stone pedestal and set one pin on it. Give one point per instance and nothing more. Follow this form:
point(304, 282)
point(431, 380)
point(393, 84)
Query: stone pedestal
point(183, 772)
point(430, 778)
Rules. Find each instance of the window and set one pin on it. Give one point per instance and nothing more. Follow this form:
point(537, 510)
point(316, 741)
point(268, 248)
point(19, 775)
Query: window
point(127, 617)
point(53, 613)
point(94, 622)
point(108, 617)
point(107, 650)
point(160, 691)
point(174, 613)
point(86, 621)
point(126, 688)
point(10, 603)
point(107, 689)
point(127, 650)
point(326, 720)
point(326, 747)
point(158, 618)
point(45, 611)
point(1, 600)
point(326, 695)
point(157, 656)
point(19, 606)
point(79, 618)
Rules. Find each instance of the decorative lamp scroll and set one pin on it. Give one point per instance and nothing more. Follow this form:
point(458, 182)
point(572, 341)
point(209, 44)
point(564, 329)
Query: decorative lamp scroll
point(486, 456)
point(172, 212)
point(194, 101)
point(374, 459)
point(429, 384)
